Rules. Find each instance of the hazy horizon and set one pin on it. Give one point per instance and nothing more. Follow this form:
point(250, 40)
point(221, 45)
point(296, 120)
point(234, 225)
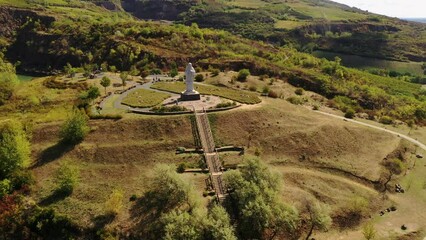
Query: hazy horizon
point(391, 8)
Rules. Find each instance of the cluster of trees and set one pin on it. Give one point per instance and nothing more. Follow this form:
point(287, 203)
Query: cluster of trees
point(357, 91)
point(128, 46)
point(255, 198)
point(253, 210)
point(177, 211)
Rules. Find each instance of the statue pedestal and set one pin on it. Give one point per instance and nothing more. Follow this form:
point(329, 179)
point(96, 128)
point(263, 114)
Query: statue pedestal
point(190, 96)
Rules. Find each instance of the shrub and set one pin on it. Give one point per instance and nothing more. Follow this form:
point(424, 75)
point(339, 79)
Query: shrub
point(252, 88)
point(21, 178)
point(358, 205)
point(395, 165)
point(199, 77)
point(51, 225)
point(133, 198)
point(315, 107)
point(5, 187)
point(91, 94)
point(174, 72)
point(66, 178)
point(272, 94)
point(181, 168)
point(75, 128)
point(350, 113)
point(263, 77)
point(265, 90)
point(215, 72)
point(106, 116)
point(114, 203)
point(296, 100)
point(257, 152)
point(8, 83)
point(174, 108)
point(343, 103)
point(226, 104)
point(155, 71)
point(386, 120)
point(243, 74)
point(299, 91)
point(369, 232)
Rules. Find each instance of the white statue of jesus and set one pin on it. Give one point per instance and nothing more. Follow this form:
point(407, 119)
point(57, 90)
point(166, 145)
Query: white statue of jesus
point(190, 74)
point(190, 94)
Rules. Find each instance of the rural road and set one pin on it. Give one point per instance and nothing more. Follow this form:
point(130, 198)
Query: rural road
point(421, 145)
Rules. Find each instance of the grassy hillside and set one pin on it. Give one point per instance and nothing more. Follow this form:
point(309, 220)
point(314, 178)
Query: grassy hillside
point(281, 133)
point(118, 42)
point(306, 24)
point(342, 172)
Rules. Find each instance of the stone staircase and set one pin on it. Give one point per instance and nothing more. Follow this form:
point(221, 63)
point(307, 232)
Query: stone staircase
point(210, 154)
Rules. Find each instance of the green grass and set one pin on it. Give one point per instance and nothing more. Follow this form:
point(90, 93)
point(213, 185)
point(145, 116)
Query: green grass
point(143, 98)
point(32, 100)
point(232, 94)
point(392, 86)
point(287, 24)
point(324, 11)
point(253, 4)
point(16, 3)
point(367, 63)
point(26, 3)
point(24, 78)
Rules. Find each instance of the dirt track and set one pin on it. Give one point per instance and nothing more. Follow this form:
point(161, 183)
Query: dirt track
point(421, 145)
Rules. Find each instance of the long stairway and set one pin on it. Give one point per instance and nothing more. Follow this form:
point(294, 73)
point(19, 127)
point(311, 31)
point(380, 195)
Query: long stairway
point(210, 154)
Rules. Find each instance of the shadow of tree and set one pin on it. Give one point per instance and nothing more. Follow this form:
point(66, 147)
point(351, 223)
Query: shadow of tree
point(102, 220)
point(52, 153)
point(145, 213)
point(56, 196)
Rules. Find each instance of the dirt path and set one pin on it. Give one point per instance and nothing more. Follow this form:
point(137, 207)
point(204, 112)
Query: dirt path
point(421, 145)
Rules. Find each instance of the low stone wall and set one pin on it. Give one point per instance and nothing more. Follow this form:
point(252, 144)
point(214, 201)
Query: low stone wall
point(222, 109)
point(230, 148)
point(139, 111)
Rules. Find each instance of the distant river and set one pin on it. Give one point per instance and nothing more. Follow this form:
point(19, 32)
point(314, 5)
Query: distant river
point(365, 62)
point(24, 78)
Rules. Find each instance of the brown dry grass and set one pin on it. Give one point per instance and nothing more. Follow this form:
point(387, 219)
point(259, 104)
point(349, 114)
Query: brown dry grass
point(317, 156)
point(286, 133)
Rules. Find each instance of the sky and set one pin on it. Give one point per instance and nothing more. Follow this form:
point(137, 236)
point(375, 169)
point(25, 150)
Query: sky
point(392, 8)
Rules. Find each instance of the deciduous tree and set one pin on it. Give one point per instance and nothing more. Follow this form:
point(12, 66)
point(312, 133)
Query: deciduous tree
point(105, 82)
point(124, 76)
point(66, 178)
point(260, 212)
point(319, 217)
point(75, 128)
point(14, 148)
